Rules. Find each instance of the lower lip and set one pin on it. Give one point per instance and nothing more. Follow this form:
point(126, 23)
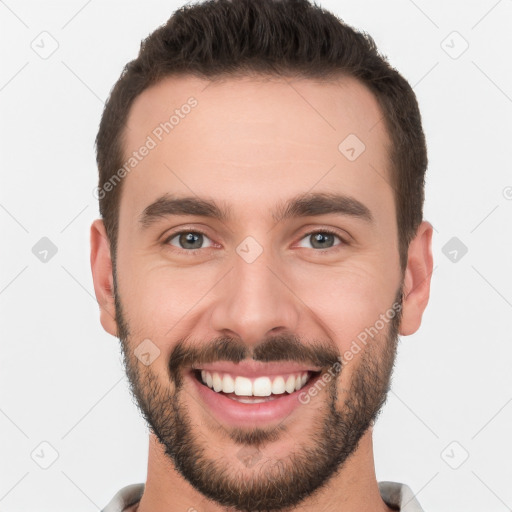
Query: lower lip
point(231, 412)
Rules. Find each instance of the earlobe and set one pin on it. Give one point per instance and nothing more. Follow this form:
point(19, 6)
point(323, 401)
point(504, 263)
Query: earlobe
point(417, 279)
point(101, 266)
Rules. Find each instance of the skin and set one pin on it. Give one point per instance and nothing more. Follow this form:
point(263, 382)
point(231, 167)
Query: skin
point(251, 144)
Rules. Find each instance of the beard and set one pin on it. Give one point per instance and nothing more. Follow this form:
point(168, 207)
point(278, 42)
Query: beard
point(276, 484)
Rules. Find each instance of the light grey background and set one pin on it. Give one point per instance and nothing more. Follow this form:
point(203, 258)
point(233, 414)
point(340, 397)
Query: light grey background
point(61, 377)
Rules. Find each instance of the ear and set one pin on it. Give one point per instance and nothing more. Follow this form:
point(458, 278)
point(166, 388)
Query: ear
point(417, 279)
point(101, 266)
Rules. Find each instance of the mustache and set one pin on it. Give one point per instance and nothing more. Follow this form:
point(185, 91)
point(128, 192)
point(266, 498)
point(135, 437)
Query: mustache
point(277, 348)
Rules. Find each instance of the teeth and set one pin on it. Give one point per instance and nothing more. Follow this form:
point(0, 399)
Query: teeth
point(228, 384)
point(253, 400)
point(243, 386)
point(217, 382)
point(278, 386)
point(290, 384)
point(261, 386)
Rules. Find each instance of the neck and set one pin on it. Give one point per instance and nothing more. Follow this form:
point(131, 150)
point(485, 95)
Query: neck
point(352, 489)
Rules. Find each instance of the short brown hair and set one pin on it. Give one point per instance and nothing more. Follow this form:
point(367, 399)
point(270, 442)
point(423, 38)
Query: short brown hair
point(222, 38)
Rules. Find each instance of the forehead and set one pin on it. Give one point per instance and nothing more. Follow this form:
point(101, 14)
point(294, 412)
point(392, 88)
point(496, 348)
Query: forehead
point(253, 139)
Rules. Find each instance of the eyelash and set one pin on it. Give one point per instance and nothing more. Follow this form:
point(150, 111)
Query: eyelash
point(198, 231)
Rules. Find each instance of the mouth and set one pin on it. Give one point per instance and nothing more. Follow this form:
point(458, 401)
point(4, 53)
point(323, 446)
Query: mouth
point(246, 400)
point(254, 390)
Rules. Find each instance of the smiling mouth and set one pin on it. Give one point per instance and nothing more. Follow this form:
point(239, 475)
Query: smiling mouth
point(255, 390)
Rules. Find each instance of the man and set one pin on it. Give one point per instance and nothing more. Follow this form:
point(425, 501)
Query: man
point(261, 248)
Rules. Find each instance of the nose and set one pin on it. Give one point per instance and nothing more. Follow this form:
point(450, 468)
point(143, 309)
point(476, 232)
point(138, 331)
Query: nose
point(255, 301)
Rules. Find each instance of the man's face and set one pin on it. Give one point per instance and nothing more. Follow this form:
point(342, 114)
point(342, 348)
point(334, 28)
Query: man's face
point(265, 296)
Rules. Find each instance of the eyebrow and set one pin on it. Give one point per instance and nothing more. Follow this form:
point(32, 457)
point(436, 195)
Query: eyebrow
point(305, 205)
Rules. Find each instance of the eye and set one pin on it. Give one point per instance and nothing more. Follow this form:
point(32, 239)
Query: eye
point(321, 239)
point(189, 240)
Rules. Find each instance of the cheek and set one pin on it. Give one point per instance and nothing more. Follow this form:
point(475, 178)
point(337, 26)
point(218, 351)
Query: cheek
point(159, 301)
point(346, 302)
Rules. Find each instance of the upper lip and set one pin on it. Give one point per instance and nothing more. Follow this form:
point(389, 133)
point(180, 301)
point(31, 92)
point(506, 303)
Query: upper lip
point(253, 369)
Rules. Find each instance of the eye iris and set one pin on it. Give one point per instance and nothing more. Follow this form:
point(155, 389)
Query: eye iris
point(321, 239)
point(191, 238)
